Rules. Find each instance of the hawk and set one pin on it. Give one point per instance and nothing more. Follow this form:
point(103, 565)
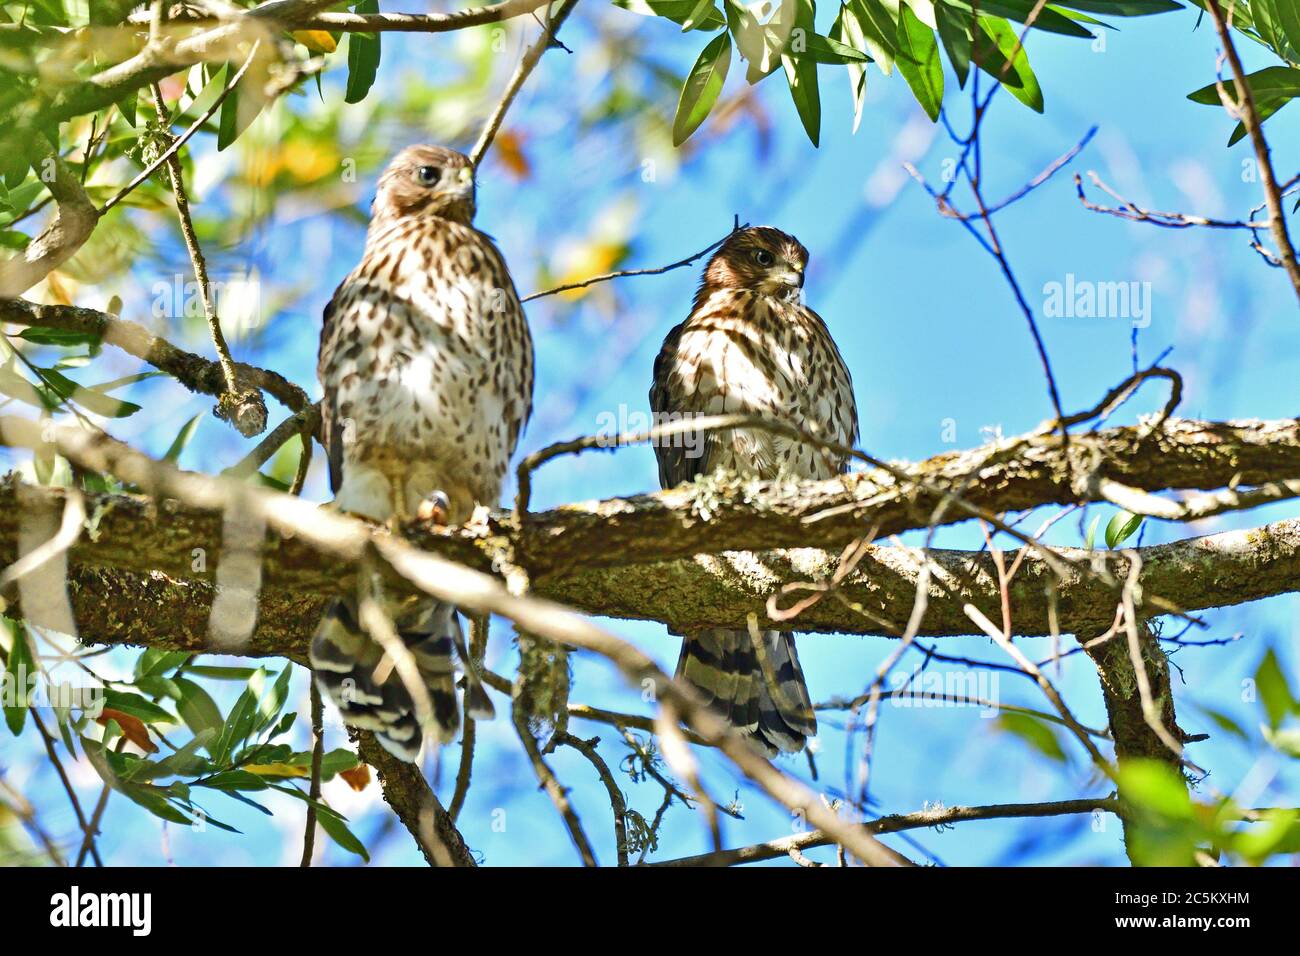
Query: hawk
point(751, 346)
point(426, 364)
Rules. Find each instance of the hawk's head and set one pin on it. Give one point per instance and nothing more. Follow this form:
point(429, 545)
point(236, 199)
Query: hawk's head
point(427, 181)
point(758, 258)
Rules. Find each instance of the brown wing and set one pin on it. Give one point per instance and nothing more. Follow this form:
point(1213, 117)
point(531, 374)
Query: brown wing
point(675, 465)
point(840, 381)
point(331, 436)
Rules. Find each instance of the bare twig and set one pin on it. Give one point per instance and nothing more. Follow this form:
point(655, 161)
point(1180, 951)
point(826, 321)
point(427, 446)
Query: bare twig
point(531, 57)
point(1249, 114)
point(616, 802)
point(317, 754)
point(242, 407)
point(680, 263)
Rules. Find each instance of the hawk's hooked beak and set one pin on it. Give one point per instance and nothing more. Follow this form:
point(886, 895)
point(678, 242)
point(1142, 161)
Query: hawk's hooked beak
point(463, 185)
point(793, 276)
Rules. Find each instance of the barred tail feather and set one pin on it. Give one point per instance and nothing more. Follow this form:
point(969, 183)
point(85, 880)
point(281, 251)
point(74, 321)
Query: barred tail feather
point(369, 693)
point(759, 690)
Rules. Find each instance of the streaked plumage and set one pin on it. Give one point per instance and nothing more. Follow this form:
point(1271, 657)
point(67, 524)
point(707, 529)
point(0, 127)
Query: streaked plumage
point(750, 345)
point(427, 368)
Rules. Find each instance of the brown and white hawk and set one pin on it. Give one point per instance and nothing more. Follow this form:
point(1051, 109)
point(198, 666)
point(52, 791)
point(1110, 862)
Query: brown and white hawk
point(427, 368)
point(751, 346)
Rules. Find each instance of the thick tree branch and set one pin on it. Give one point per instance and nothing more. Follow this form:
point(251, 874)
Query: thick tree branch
point(134, 580)
point(727, 513)
point(473, 591)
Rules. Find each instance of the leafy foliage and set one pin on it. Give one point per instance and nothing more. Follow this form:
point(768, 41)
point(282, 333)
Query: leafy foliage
point(1275, 25)
point(1170, 827)
point(235, 754)
point(906, 34)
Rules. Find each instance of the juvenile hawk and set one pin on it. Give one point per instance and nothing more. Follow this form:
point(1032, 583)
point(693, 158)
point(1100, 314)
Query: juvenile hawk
point(751, 346)
point(427, 369)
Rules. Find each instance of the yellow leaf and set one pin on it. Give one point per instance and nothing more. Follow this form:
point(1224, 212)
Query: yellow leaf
point(308, 161)
point(277, 770)
point(318, 41)
point(592, 259)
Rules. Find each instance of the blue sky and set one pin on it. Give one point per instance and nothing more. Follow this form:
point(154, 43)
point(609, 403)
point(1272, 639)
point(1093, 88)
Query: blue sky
point(931, 333)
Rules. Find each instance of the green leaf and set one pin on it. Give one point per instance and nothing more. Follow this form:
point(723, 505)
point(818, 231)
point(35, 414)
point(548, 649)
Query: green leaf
point(92, 399)
point(152, 662)
point(1091, 536)
point(1121, 527)
point(1277, 832)
point(221, 673)
point(149, 798)
point(182, 439)
point(61, 337)
point(1274, 690)
point(340, 834)
point(1288, 17)
point(848, 29)
point(137, 706)
point(705, 12)
point(269, 706)
point(1155, 786)
point(1225, 723)
point(200, 713)
point(1048, 20)
point(1286, 740)
point(830, 50)
point(757, 44)
point(955, 29)
point(702, 87)
point(228, 129)
point(126, 380)
point(185, 762)
point(801, 76)
point(1272, 88)
point(363, 57)
point(1034, 732)
point(1025, 88)
point(879, 28)
point(918, 61)
point(1122, 8)
point(1273, 82)
point(675, 10)
point(239, 722)
point(127, 105)
point(20, 674)
point(233, 780)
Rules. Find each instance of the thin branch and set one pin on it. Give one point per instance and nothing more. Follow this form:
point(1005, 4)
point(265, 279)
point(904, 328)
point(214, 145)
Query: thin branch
point(1049, 690)
point(1249, 115)
point(178, 141)
point(938, 817)
point(660, 270)
point(548, 782)
point(317, 754)
point(530, 60)
point(242, 407)
point(616, 802)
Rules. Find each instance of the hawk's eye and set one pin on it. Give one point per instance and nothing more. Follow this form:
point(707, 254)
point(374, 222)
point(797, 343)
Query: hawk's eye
point(763, 257)
point(427, 175)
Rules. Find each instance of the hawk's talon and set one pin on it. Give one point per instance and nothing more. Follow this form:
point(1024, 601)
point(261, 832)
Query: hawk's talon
point(434, 509)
